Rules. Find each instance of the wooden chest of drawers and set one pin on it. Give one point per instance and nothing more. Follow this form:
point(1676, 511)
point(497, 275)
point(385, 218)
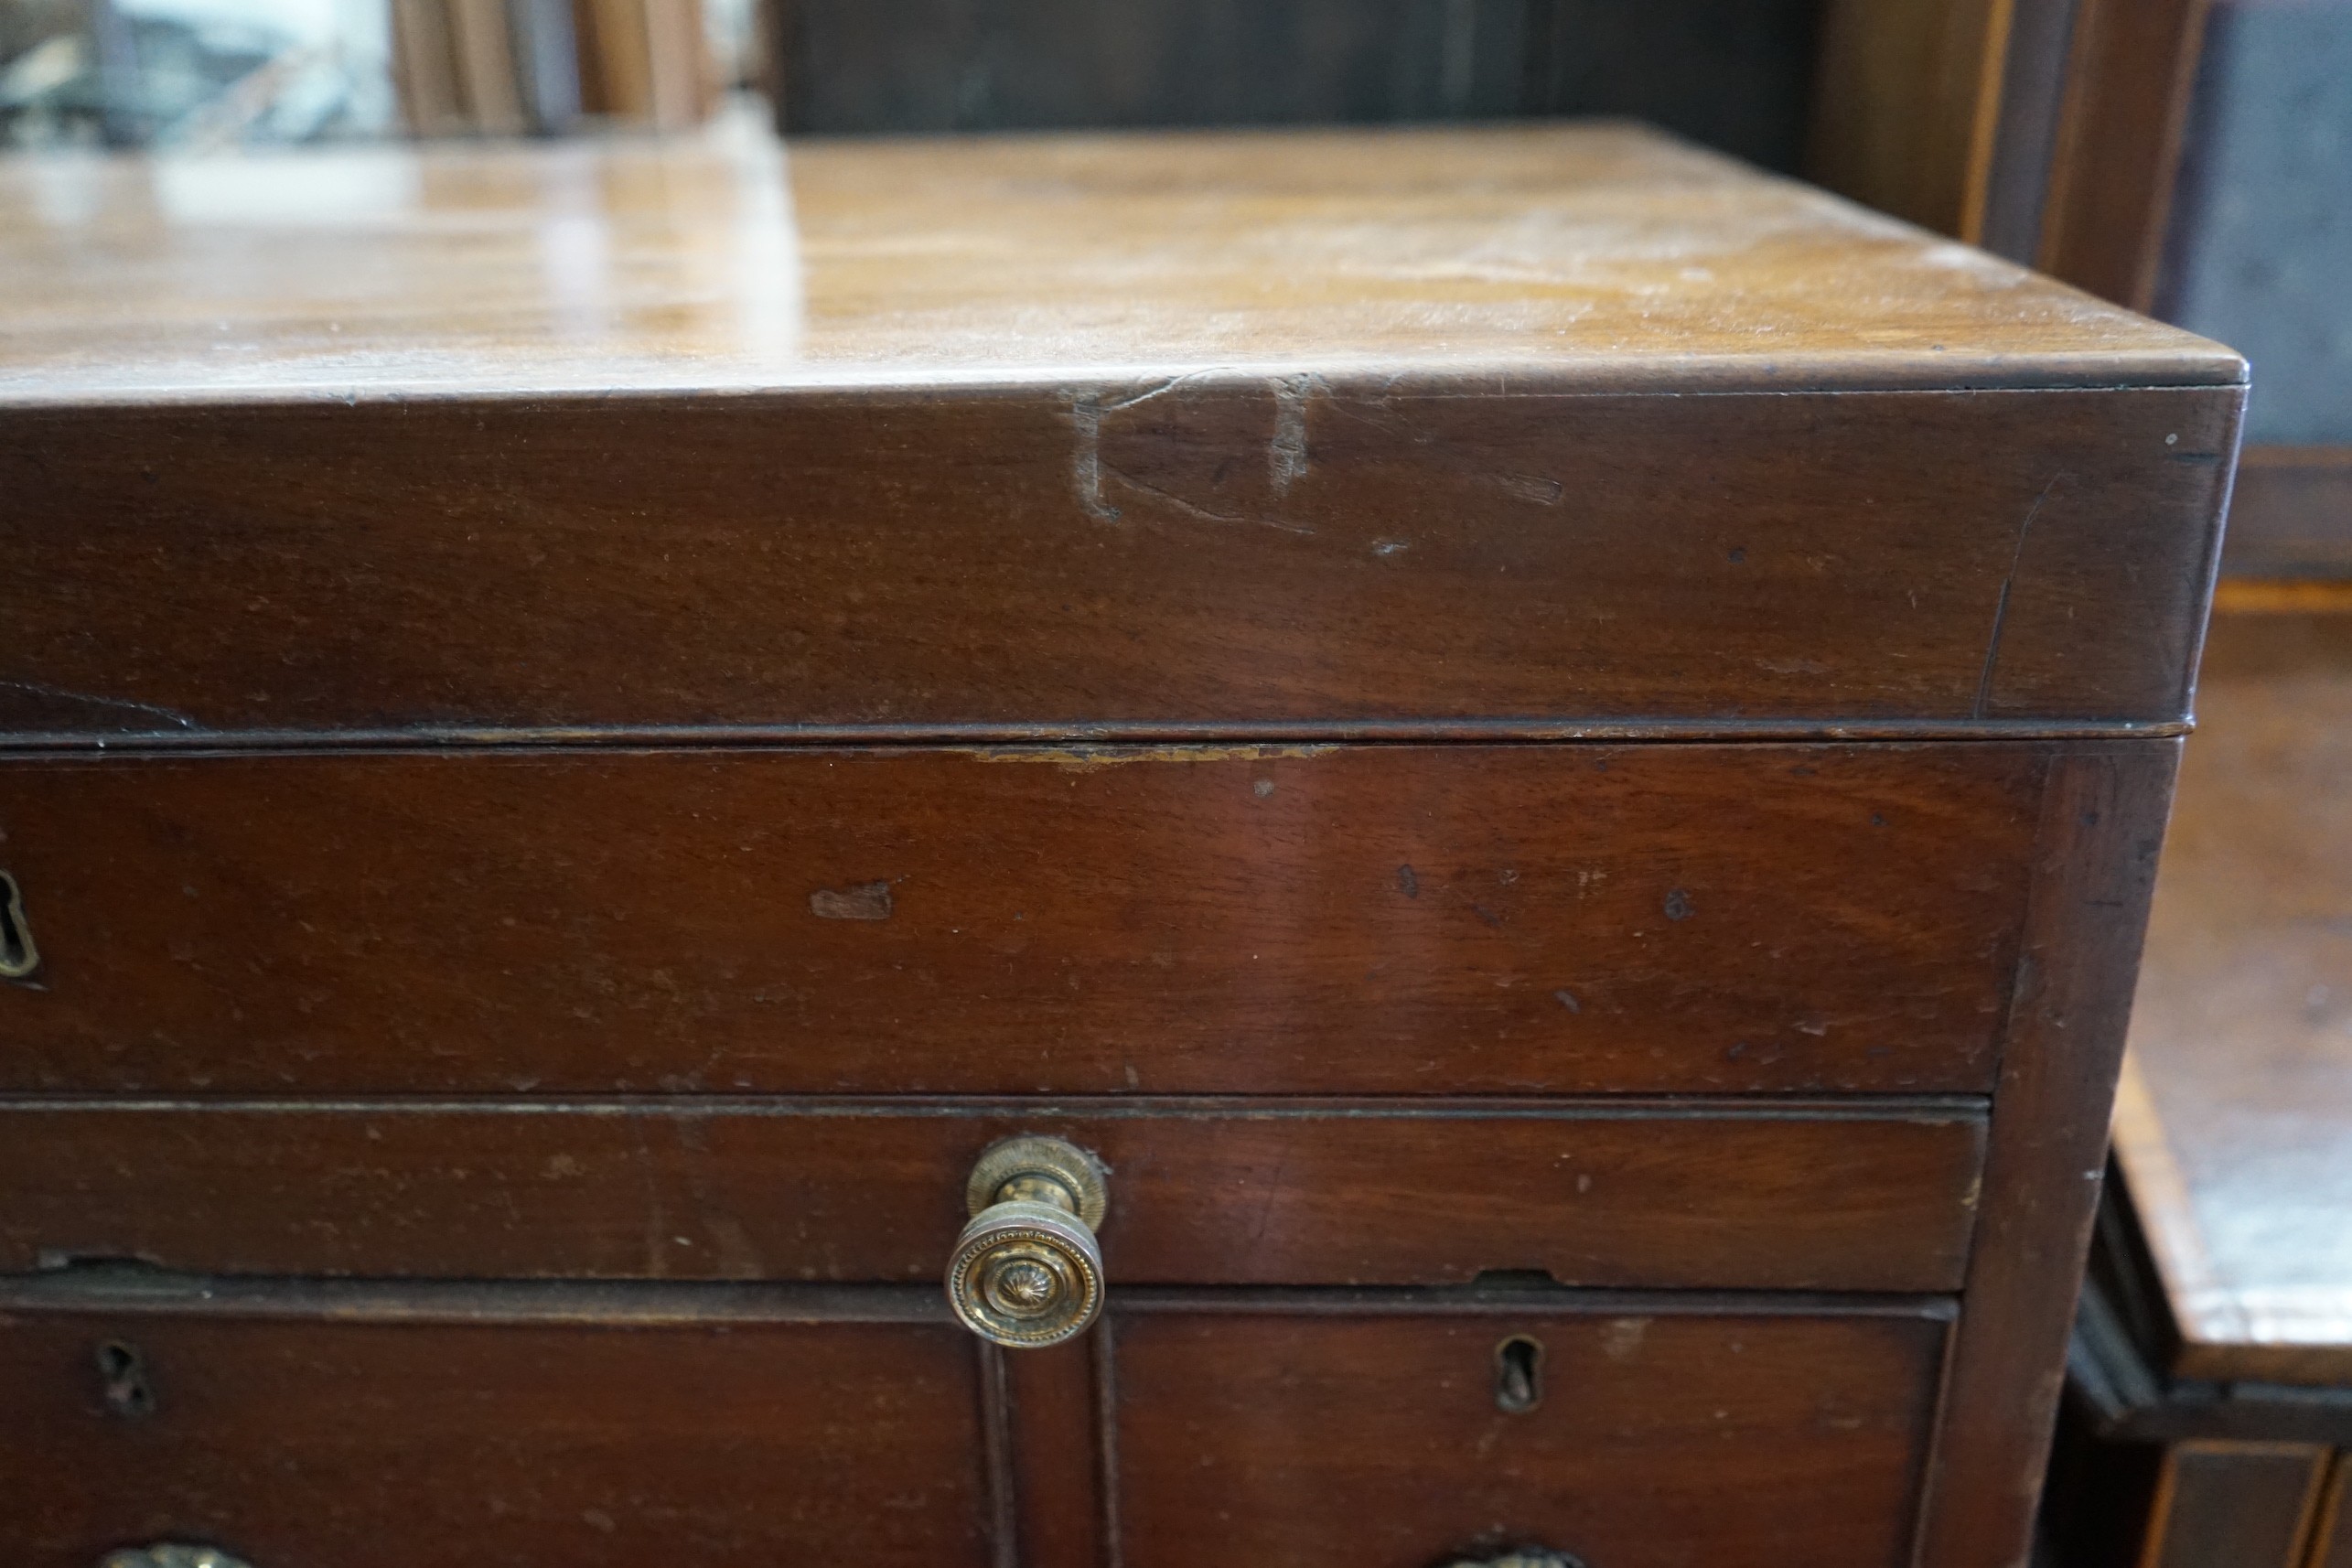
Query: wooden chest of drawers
point(1540, 757)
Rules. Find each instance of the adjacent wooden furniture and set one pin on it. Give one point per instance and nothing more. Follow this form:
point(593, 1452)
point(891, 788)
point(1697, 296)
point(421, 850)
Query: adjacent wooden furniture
point(1545, 756)
point(2212, 1363)
point(2049, 131)
point(2291, 516)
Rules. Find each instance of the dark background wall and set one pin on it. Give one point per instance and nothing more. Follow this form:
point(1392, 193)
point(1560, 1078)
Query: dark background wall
point(1733, 73)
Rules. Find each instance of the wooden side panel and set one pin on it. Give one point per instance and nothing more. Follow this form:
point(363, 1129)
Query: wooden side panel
point(1217, 554)
point(1381, 919)
point(1768, 1198)
point(2103, 824)
point(2025, 138)
point(2132, 68)
point(1660, 1440)
point(2234, 1505)
point(389, 1445)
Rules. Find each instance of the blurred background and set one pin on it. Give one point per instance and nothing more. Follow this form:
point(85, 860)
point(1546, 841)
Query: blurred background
point(204, 74)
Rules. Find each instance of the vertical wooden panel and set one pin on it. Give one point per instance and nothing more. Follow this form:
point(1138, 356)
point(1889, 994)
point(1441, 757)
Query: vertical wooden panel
point(1054, 1456)
point(2234, 1505)
point(2330, 1532)
point(996, 1455)
point(2134, 63)
point(2033, 97)
point(1906, 105)
point(1104, 1340)
point(2102, 824)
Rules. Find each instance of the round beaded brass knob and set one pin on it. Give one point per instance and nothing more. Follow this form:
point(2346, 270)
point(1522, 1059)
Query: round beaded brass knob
point(1027, 1271)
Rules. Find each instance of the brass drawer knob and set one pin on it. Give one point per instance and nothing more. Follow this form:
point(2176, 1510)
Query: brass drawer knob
point(171, 1555)
point(1027, 1271)
point(1525, 1557)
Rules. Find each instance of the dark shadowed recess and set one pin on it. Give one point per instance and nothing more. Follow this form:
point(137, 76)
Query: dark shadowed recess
point(1731, 73)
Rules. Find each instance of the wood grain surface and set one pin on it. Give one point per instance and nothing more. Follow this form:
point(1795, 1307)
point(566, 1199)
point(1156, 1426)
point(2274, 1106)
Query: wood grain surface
point(389, 508)
point(1388, 919)
point(1661, 1439)
point(2033, 75)
point(375, 1445)
point(1906, 105)
point(1054, 1419)
point(2236, 1137)
point(1554, 252)
point(2102, 827)
point(2132, 67)
point(1800, 1197)
point(151, 1405)
point(1067, 435)
point(1223, 554)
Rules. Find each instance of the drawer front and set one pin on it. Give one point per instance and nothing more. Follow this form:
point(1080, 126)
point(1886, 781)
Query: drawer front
point(1655, 1439)
point(1377, 919)
point(1081, 555)
point(311, 1443)
point(1841, 1196)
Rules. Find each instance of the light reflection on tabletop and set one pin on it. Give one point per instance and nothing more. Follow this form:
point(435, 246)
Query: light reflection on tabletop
point(723, 262)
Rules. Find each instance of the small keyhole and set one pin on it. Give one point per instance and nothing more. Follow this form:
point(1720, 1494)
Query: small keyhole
point(18, 956)
point(1519, 1375)
point(123, 1377)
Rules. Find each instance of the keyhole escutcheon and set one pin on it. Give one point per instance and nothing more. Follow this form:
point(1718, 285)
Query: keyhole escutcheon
point(18, 956)
point(123, 1380)
point(1519, 1374)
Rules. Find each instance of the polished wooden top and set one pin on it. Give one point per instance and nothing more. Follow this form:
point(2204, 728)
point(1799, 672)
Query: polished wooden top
point(2235, 1124)
point(1537, 255)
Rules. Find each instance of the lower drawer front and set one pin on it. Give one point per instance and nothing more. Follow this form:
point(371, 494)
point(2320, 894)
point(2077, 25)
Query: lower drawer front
point(308, 1426)
point(1670, 1438)
point(1734, 1196)
point(309, 1443)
